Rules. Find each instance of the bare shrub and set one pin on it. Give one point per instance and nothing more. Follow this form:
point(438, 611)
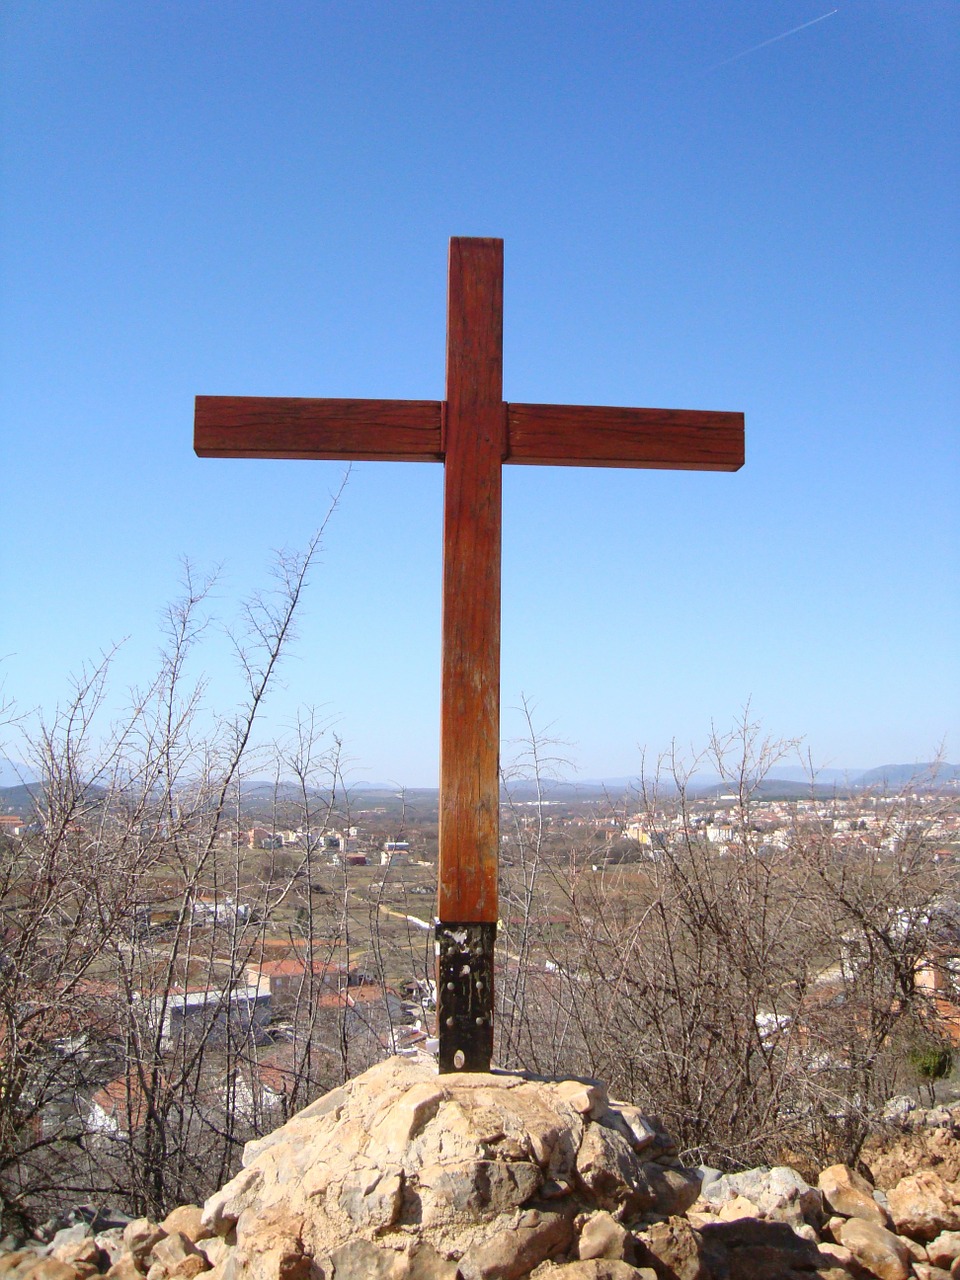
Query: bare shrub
point(759, 994)
point(135, 1057)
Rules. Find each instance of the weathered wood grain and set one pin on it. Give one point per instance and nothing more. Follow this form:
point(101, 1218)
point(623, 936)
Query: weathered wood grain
point(597, 436)
point(348, 430)
point(474, 434)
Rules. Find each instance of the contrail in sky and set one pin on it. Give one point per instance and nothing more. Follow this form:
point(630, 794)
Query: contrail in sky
point(773, 39)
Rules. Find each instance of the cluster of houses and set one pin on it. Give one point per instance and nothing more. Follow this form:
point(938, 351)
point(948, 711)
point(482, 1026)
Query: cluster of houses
point(850, 823)
point(260, 1012)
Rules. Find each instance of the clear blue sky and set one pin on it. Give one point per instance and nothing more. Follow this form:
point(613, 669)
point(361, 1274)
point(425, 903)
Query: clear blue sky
point(235, 197)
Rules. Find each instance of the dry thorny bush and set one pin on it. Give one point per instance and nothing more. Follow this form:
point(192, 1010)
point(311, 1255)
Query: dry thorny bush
point(760, 997)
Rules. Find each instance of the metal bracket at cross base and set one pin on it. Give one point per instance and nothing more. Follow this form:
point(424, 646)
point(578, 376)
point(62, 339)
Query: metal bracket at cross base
point(465, 995)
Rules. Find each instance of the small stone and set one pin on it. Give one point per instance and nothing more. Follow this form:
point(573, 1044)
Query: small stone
point(587, 1097)
point(187, 1218)
point(641, 1130)
point(555, 1189)
point(83, 1252)
point(674, 1249)
point(215, 1249)
point(847, 1193)
point(372, 1197)
point(780, 1194)
point(139, 1237)
point(609, 1170)
point(176, 1257)
point(603, 1237)
point(944, 1249)
point(125, 1268)
point(880, 1251)
point(111, 1242)
point(400, 1123)
point(922, 1205)
point(11, 1263)
point(473, 1190)
point(738, 1207)
point(70, 1235)
point(835, 1254)
point(515, 1252)
point(358, 1259)
point(673, 1190)
point(49, 1269)
point(222, 1210)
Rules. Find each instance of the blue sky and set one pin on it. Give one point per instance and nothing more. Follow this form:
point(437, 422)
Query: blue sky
point(256, 198)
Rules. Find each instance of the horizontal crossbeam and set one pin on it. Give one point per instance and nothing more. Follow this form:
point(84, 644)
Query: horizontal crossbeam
point(345, 430)
point(596, 436)
point(411, 431)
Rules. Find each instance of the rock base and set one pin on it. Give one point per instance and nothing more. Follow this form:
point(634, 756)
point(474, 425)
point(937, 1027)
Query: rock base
point(407, 1174)
point(404, 1174)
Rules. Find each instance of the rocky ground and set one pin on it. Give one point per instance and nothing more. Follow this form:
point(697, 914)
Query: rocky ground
point(402, 1174)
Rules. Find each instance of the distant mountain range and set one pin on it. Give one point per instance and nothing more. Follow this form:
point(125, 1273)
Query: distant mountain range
point(18, 785)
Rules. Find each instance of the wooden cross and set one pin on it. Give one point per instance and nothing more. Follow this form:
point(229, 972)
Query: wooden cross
point(472, 432)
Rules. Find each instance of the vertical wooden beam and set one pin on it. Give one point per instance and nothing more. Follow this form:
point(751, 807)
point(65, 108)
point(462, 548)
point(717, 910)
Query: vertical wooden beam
point(473, 441)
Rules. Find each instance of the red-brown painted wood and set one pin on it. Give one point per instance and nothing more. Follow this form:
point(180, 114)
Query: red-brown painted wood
point(349, 430)
point(474, 435)
point(597, 436)
point(473, 432)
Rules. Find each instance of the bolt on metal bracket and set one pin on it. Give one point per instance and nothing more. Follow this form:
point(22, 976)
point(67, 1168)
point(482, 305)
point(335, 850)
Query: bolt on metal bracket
point(465, 995)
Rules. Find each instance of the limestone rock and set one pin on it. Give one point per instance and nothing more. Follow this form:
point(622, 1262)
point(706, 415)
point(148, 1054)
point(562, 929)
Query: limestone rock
point(674, 1249)
point(603, 1237)
point(849, 1194)
point(215, 1249)
point(474, 1191)
point(48, 1269)
point(139, 1237)
point(881, 1252)
point(188, 1219)
point(372, 1197)
point(673, 1190)
point(111, 1242)
point(223, 1209)
point(79, 1232)
point(609, 1169)
point(587, 1097)
point(514, 1252)
point(944, 1249)
point(84, 1255)
point(779, 1193)
point(640, 1130)
point(270, 1247)
point(176, 1257)
point(835, 1254)
point(922, 1205)
point(17, 1260)
point(409, 1175)
point(125, 1268)
point(738, 1207)
point(935, 1149)
point(757, 1250)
